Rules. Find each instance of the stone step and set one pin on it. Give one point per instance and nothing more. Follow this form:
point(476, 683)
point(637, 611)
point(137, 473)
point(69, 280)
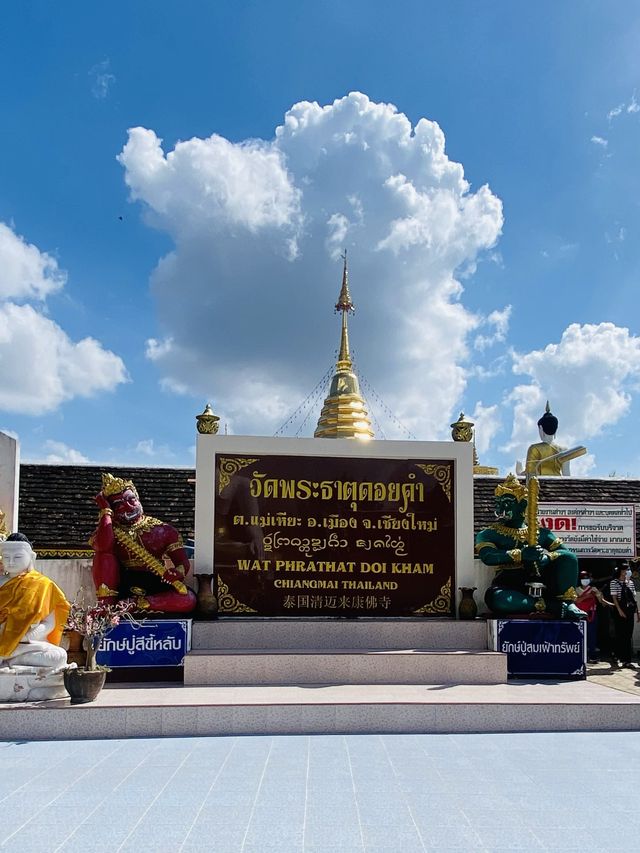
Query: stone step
point(160, 710)
point(344, 666)
point(256, 633)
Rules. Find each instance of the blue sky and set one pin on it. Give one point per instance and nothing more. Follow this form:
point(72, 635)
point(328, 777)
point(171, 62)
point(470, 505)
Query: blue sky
point(491, 218)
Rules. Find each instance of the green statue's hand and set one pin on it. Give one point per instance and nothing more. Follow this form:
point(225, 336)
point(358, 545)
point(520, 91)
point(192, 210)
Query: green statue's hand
point(571, 611)
point(534, 554)
point(544, 559)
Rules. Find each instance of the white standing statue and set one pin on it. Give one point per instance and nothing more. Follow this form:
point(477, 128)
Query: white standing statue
point(33, 612)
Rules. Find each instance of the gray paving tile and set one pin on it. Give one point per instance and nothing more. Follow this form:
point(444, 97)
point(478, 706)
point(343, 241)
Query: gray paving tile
point(511, 838)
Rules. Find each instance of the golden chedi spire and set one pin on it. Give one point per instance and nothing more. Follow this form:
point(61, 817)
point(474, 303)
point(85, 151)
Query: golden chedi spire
point(344, 414)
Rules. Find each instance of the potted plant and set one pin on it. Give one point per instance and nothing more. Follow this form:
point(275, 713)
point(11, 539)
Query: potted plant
point(93, 622)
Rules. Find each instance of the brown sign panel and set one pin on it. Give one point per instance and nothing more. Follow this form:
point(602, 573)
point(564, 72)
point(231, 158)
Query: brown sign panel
point(334, 536)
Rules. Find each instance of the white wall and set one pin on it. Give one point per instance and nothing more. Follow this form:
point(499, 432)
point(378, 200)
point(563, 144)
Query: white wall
point(72, 576)
point(9, 480)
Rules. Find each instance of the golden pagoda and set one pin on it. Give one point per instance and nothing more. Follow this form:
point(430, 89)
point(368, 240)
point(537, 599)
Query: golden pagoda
point(344, 414)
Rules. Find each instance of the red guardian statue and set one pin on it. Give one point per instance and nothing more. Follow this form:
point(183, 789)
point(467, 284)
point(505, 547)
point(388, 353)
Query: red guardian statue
point(137, 556)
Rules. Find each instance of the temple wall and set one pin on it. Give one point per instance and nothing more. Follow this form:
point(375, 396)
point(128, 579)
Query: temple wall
point(73, 576)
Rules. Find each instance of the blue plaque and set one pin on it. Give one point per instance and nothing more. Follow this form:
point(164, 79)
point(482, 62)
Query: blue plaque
point(164, 642)
point(540, 647)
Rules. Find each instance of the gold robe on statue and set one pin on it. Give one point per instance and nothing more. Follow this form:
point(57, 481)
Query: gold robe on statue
point(537, 453)
point(26, 600)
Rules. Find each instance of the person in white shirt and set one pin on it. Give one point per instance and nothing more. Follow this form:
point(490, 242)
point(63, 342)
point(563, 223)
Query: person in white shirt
point(625, 613)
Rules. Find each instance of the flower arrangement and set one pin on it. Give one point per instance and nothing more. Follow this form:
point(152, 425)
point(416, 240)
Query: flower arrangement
point(93, 622)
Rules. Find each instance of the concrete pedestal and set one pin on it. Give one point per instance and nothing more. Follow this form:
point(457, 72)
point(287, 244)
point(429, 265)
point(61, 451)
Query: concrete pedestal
point(28, 684)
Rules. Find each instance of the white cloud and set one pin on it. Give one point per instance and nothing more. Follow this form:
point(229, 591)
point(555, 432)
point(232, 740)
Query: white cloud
point(43, 367)
point(631, 107)
point(145, 447)
point(62, 453)
point(25, 271)
point(258, 227)
point(587, 377)
point(148, 447)
point(209, 184)
point(583, 466)
point(498, 323)
point(599, 140)
point(157, 350)
point(487, 424)
point(101, 80)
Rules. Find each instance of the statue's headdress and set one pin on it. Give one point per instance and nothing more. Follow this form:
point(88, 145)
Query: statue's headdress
point(512, 486)
point(115, 485)
point(548, 422)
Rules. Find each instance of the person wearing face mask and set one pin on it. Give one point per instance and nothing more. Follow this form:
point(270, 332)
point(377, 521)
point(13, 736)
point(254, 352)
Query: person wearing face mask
point(623, 595)
point(589, 597)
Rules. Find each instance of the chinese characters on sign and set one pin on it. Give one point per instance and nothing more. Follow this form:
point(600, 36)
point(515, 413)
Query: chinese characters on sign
point(592, 530)
point(332, 536)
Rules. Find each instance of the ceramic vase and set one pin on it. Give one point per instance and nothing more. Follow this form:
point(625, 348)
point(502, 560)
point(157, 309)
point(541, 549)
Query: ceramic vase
point(207, 603)
point(84, 685)
point(467, 609)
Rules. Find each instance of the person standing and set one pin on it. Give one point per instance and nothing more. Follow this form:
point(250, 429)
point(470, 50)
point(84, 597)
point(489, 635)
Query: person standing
point(623, 595)
point(589, 597)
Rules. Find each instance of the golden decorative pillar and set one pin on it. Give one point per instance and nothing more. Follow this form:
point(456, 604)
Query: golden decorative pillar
point(462, 430)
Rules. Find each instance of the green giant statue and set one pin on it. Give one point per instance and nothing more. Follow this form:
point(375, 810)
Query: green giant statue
point(535, 571)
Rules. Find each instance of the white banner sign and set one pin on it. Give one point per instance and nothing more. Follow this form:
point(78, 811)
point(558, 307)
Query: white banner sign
point(592, 530)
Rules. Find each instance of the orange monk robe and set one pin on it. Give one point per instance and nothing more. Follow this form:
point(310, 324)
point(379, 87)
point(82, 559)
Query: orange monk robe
point(26, 600)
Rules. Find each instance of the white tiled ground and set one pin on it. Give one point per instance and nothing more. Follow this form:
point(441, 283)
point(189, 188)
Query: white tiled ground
point(322, 794)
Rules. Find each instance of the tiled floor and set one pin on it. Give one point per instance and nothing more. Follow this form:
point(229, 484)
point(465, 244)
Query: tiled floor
point(318, 794)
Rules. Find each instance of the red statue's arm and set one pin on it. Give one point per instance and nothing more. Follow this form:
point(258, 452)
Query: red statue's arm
point(177, 555)
point(105, 567)
point(103, 539)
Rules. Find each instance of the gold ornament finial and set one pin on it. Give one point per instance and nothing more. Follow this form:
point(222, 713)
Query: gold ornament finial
point(207, 423)
point(344, 302)
point(462, 429)
point(115, 485)
point(512, 486)
point(345, 305)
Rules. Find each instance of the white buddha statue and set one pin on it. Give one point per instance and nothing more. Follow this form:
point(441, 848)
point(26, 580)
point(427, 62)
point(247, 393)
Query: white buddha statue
point(33, 612)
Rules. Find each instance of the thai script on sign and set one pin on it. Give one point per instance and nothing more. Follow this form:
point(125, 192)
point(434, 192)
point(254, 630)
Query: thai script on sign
point(592, 529)
point(131, 645)
point(351, 491)
point(522, 647)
